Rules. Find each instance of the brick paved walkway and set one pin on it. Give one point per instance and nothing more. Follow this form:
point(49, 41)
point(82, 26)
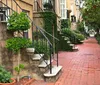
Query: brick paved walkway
point(81, 67)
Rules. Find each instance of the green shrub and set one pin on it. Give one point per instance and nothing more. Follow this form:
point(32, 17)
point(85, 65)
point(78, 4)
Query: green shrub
point(37, 35)
point(74, 36)
point(76, 31)
point(65, 23)
point(79, 37)
point(5, 76)
point(19, 68)
point(80, 27)
point(41, 47)
point(16, 43)
point(67, 32)
point(18, 22)
point(98, 38)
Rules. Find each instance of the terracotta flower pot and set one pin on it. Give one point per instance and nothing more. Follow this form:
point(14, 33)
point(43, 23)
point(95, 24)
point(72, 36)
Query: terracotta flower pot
point(12, 83)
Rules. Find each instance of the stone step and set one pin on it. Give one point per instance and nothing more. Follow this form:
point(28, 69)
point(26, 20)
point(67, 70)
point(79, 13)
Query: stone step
point(71, 45)
point(52, 77)
point(68, 42)
point(37, 59)
point(37, 56)
point(75, 48)
point(44, 66)
point(44, 63)
point(63, 36)
point(30, 51)
point(81, 41)
point(66, 38)
point(60, 33)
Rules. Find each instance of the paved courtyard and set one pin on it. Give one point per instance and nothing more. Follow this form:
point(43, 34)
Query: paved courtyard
point(81, 67)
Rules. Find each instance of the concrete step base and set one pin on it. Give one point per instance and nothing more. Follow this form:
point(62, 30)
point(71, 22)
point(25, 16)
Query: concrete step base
point(75, 48)
point(37, 59)
point(52, 77)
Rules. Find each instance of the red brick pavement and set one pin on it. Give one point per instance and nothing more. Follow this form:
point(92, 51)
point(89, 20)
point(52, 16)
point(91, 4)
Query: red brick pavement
point(81, 67)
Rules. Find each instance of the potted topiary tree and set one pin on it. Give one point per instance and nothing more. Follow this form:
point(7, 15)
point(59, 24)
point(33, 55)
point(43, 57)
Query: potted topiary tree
point(18, 23)
point(5, 77)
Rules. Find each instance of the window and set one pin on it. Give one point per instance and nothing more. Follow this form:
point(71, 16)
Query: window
point(63, 9)
point(25, 34)
point(45, 1)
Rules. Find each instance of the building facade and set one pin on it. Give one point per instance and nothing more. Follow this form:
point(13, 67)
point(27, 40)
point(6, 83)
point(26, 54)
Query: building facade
point(19, 6)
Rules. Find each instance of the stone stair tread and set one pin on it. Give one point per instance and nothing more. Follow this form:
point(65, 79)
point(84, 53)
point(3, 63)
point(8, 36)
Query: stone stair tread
point(82, 41)
point(30, 49)
point(75, 48)
point(44, 63)
point(37, 56)
point(60, 33)
point(71, 44)
point(55, 70)
point(68, 41)
point(65, 38)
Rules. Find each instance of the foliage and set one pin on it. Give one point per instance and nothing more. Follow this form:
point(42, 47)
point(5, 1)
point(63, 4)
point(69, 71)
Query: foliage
point(37, 35)
point(67, 32)
point(19, 68)
point(48, 6)
point(74, 36)
point(18, 22)
point(79, 36)
point(41, 46)
point(76, 31)
point(5, 76)
point(65, 23)
point(91, 12)
point(63, 45)
point(50, 21)
point(17, 43)
point(98, 38)
point(80, 26)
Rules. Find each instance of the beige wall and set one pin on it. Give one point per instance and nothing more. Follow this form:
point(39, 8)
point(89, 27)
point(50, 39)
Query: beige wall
point(28, 1)
point(29, 9)
point(57, 7)
point(68, 4)
point(74, 9)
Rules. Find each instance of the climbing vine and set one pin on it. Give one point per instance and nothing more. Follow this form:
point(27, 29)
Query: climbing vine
point(50, 21)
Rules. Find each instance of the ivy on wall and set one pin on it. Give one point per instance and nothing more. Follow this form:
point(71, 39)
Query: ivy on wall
point(50, 21)
point(65, 23)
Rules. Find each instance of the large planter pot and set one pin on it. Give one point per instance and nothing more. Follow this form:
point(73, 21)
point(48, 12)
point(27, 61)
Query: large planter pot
point(12, 83)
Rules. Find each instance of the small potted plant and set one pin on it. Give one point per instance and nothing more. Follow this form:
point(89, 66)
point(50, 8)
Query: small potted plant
point(5, 77)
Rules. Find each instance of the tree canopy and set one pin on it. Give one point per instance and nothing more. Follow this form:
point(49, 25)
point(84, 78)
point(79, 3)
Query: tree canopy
point(91, 12)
